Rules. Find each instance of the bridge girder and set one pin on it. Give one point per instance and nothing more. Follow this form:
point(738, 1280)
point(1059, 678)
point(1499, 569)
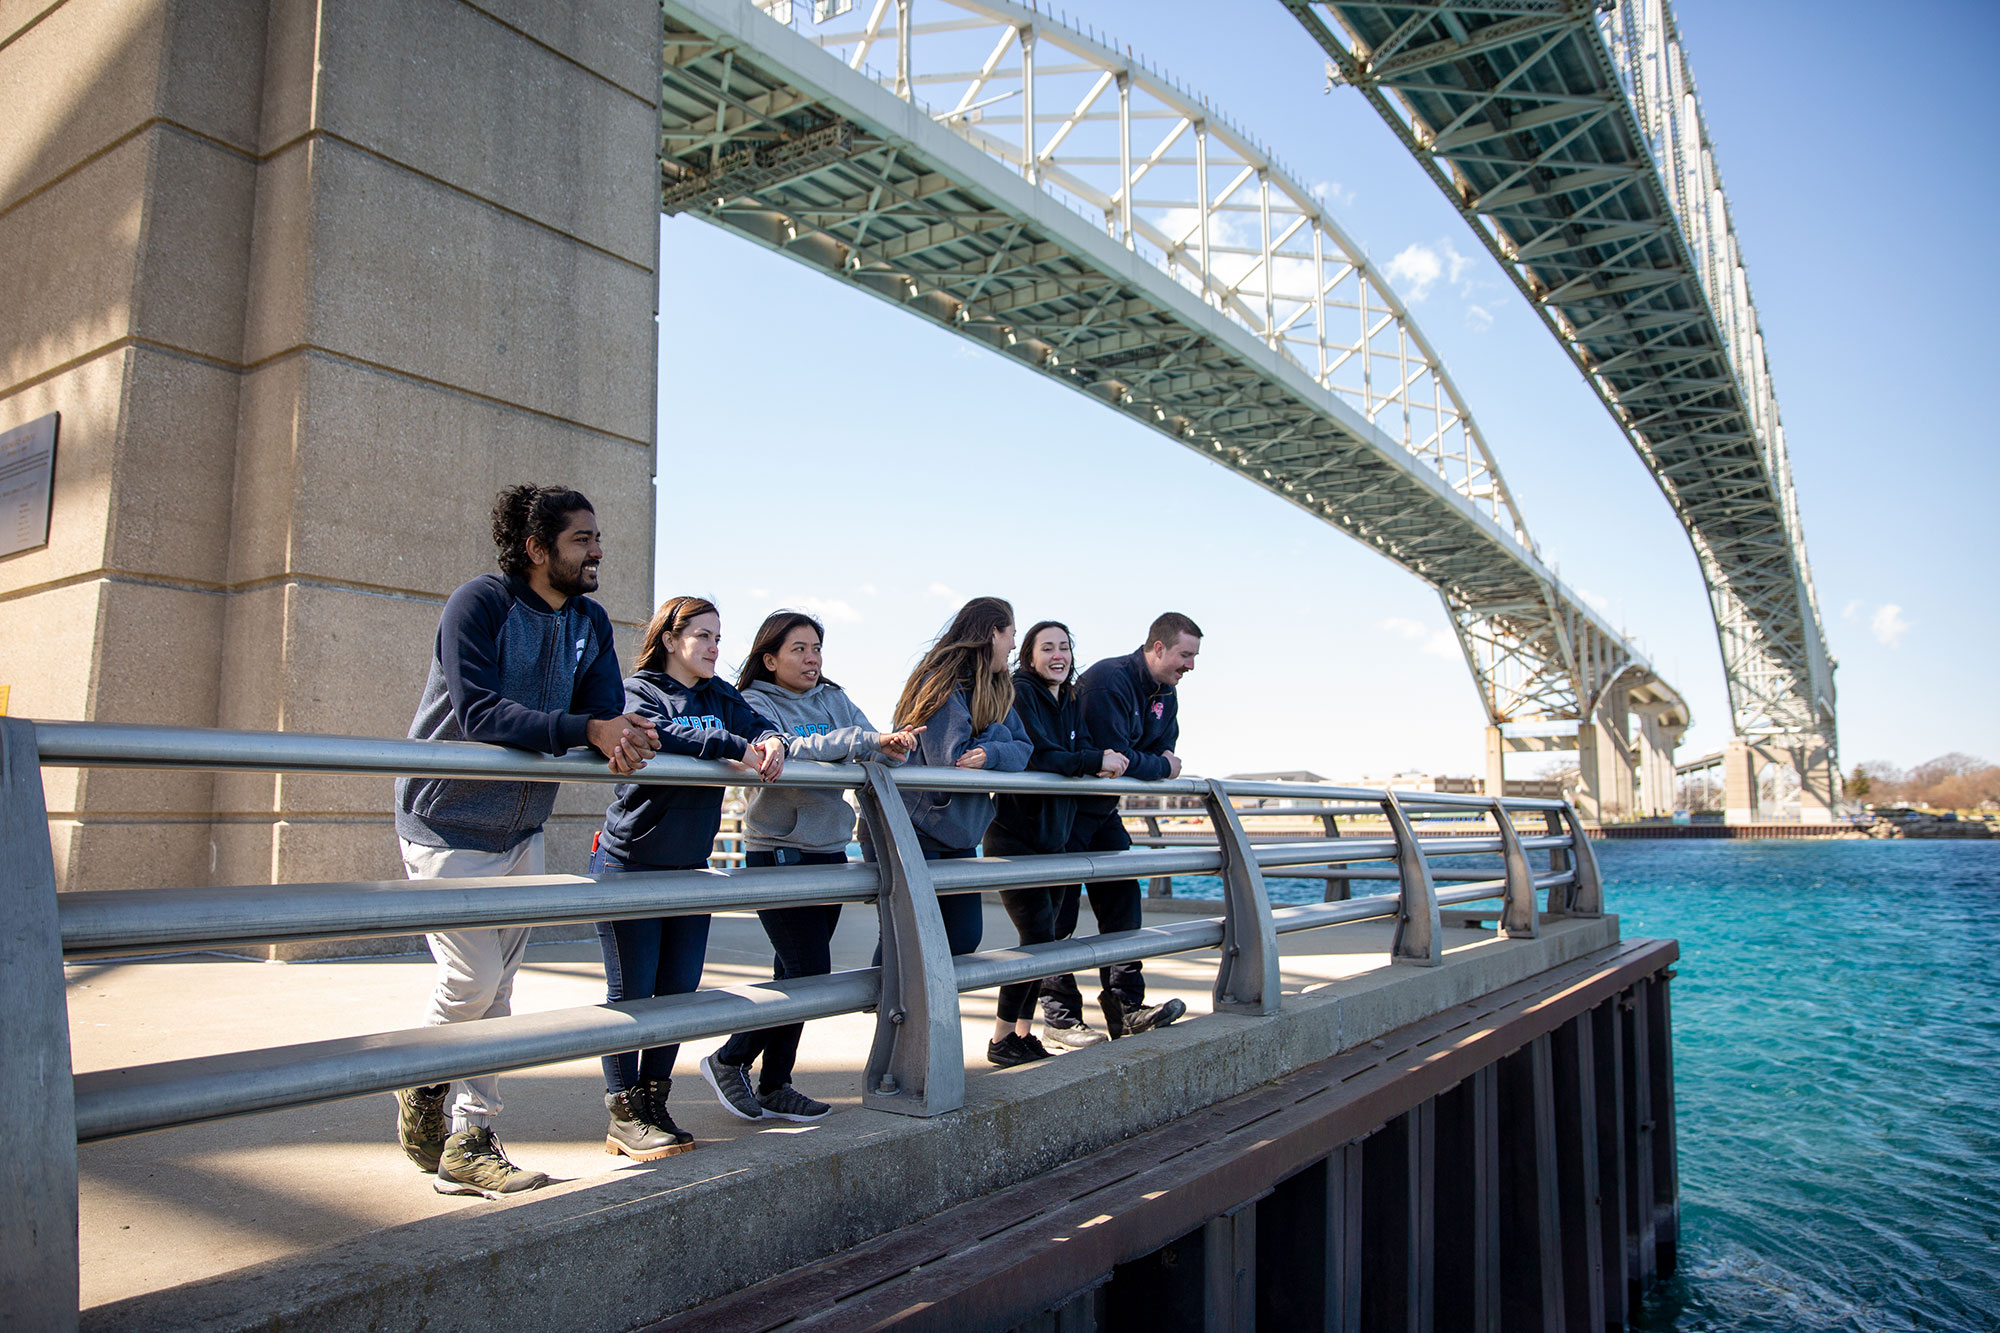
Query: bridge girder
point(1273, 348)
point(1568, 136)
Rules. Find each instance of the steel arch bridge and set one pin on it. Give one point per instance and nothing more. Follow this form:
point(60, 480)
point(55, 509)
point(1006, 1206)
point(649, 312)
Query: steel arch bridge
point(1035, 189)
point(1568, 134)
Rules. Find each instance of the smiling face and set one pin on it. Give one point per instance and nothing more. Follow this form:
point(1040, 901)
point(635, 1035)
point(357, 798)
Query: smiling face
point(1168, 663)
point(1049, 656)
point(571, 565)
point(692, 654)
point(795, 666)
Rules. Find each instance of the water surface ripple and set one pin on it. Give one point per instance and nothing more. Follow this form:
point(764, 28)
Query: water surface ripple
point(1837, 1061)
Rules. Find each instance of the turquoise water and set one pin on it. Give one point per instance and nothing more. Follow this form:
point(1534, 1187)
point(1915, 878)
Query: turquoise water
point(1837, 1065)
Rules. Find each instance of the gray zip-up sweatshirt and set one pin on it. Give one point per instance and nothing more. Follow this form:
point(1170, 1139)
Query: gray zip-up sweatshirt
point(823, 724)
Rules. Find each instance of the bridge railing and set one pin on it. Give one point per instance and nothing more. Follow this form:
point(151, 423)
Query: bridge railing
point(916, 1064)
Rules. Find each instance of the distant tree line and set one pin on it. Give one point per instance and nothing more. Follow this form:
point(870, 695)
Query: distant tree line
point(1949, 782)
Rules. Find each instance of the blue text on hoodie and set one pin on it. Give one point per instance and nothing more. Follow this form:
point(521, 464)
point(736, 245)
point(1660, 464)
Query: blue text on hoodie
point(674, 827)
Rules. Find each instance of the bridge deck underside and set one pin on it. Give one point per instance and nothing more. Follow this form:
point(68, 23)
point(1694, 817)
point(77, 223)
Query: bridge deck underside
point(879, 216)
point(1547, 161)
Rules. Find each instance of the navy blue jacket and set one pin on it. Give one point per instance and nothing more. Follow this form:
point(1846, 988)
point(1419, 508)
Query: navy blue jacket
point(956, 821)
point(674, 827)
point(1126, 710)
point(1056, 731)
point(507, 670)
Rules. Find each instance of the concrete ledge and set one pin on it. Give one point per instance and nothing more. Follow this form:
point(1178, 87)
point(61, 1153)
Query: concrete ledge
point(617, 1252)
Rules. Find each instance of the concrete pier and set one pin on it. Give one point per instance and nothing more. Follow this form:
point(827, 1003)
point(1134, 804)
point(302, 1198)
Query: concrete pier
point(312, 1218)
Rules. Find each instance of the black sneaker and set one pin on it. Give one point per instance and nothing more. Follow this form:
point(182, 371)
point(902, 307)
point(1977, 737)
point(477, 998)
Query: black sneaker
point(1034, 1048)
point(732, 1088)
point(421, 1126)
point(788, 1103)
point(1114, 1013)
point(472, 1163)
point(1071, 1036)
point(1145, 1017)
point(1015, 1049)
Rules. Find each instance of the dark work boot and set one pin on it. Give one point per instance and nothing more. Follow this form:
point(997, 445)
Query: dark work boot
point(633, 1132)
point(1114, 1013)
point(655, 1091)
point(1145, 1017)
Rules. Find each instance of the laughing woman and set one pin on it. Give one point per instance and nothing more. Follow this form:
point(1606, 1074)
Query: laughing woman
point(653, 827)
point(962, 701)
point(795, 826)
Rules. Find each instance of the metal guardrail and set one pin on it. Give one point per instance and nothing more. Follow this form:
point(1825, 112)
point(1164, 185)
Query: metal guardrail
point(916, 1065)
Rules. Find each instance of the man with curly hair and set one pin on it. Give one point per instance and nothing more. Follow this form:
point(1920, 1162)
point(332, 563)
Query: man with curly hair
point(523, 659)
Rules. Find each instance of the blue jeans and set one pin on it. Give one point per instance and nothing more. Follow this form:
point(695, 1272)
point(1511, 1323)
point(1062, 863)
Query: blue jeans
point(964, 918)
point(657, 955)
point(801, 939)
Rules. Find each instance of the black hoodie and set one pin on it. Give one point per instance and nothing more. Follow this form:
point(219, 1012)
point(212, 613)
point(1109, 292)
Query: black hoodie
point(1126, 710)
point(1056, 730)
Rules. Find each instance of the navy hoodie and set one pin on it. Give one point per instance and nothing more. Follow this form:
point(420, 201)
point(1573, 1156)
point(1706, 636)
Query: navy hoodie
point(956, 821)
point(674, 827)
point(1056, 731)
point(507, 670)
point(1126, 710)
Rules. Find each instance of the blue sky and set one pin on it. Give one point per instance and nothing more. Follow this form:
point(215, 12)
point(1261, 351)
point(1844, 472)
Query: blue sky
point(820, 448)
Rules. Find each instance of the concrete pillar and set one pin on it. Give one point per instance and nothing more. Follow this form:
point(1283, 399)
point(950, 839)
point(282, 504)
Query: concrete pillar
point(1496, 762)
point(308, 284)
point(1819, 788)
point(1741, 762)
point(1604, 767)
point(1590, 777)
point(1657, 787)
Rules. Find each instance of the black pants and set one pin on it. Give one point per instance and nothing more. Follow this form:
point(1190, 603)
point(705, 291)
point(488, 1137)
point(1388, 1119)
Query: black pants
point(659, 955)
point(1115, 904)
point(964, 916)
point(801, 940)
point(1033, 912)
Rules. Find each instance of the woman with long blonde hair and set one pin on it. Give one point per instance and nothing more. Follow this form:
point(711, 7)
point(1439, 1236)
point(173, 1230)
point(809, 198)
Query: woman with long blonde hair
point(963, 699)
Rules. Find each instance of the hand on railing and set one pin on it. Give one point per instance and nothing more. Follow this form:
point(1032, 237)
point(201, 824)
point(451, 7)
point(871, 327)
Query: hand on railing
point(973, 758)
point(1173, 763)
point(763, 760)
point(627, 741)
point(899, 744)
point(1114, 765)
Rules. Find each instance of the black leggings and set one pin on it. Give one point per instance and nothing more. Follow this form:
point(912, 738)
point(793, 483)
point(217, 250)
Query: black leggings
point(801, 941)
point(1033, 912)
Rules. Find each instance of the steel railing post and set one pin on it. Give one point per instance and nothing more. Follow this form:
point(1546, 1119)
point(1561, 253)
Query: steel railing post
point(1518, 918)
point(1587, 898)
point(917, 1064)
point(1246, 982)
point(1339, 888)
point(38, 1235)
point(1560, 861)
point(1418, 927)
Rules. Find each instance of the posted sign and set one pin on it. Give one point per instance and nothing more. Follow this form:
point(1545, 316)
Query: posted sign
point(27, 484)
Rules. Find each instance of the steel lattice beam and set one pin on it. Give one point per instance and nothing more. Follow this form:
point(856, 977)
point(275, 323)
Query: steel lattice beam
point(1567, 134)
point(988, 178)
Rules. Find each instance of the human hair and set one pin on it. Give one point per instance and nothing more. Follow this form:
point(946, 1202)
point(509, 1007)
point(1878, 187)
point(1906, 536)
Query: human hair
point(1024, 656)
point(673, 617)
point(771, 636)
point(1168, 629)
point(962, 657)
point(540, 512)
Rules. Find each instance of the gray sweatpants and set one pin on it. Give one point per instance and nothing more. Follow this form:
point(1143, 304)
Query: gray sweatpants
point(475, 976)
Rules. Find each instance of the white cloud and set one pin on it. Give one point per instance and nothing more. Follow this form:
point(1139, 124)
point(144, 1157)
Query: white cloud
point(830, 609)
point(1888, 625)
point(1436, 643)
point(759, 593)
point(946, 593)
point(1852, 610)
point(1478, 318)
point(870, 590)
point(1333, 191)
point(1419, 267)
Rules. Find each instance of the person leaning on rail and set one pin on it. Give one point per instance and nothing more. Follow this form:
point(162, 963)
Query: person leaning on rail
point(650, 826)
point(960, 700)
point(795, 826)
point(1045, 699)
point(1129, 705)
point(521, 659)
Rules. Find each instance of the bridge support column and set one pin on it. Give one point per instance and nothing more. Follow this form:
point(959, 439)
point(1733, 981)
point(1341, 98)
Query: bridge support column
point(1496, 763)
point(1657, 788)
point(1741, 762)
point(305, 296)
point(1604, 765)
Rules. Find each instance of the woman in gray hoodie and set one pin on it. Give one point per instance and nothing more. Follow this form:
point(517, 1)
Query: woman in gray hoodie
point(792, 826)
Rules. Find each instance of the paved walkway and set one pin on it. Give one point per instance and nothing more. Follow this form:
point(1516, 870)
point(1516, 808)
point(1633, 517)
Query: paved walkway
point(162, 1209)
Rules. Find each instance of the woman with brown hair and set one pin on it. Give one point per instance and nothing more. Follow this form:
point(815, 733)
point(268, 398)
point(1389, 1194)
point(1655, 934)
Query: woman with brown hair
point(655, 827)
point(962, 698)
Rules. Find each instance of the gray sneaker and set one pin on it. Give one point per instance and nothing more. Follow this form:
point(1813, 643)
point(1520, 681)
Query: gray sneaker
point(421, 1126)
point(788, 1103)
point(732, 1088)
point(1070, 1036)
point(472, 1163)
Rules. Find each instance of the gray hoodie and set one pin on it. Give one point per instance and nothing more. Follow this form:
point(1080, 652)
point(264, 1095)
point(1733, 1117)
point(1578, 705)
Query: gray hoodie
point(822, 724)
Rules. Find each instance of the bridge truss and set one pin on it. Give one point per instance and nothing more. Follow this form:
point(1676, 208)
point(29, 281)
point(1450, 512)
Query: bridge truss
point(1568, 135)
point(1032, 188)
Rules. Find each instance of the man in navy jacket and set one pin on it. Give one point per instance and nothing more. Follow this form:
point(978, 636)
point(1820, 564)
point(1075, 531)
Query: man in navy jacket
point(1129, 705)
point(522, 659)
